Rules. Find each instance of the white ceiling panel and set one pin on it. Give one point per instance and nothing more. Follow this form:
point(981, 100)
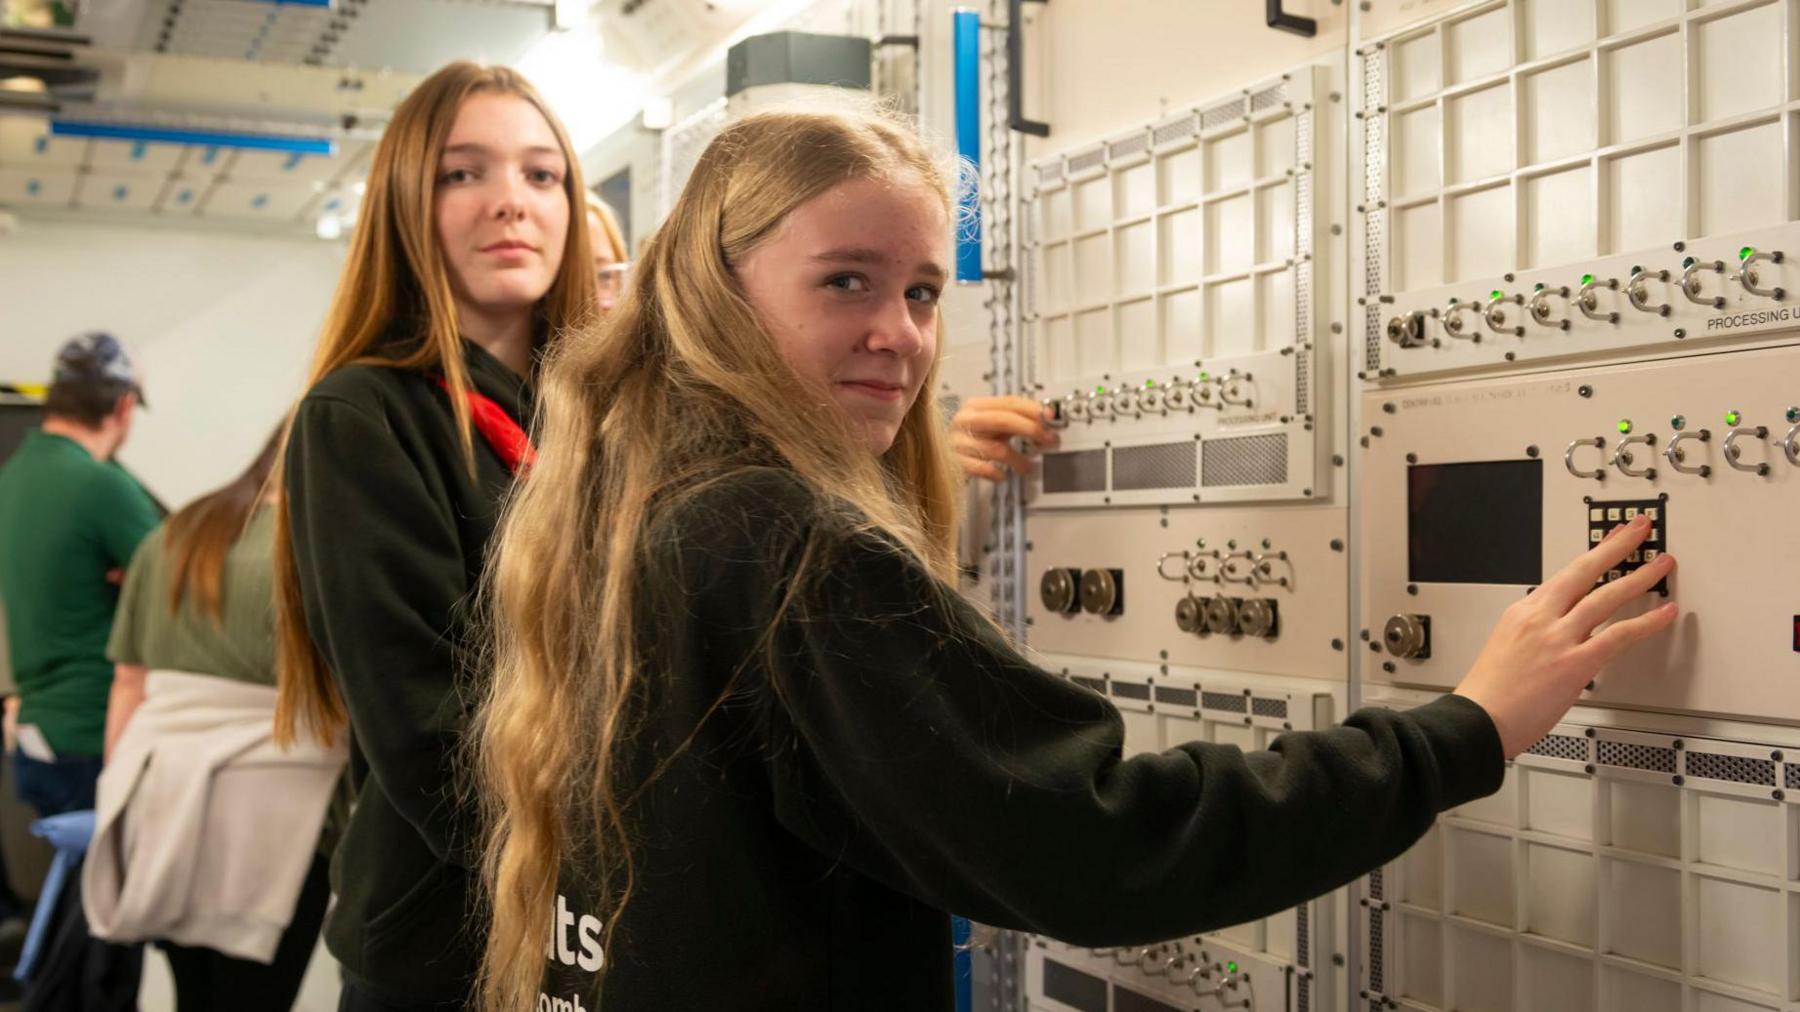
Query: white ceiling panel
point(255, 201)
point(281, 167)
point(26, 142)
point(114, 191)
point(33, 188)
point(134, 157)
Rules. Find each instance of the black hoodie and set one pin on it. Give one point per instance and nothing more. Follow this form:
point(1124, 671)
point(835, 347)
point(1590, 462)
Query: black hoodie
point(836, 778)
point(389, 533)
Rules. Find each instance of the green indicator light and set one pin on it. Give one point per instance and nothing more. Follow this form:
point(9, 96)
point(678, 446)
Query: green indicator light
point(1538, 287)
point(1732, 418)
point(1746, 252)
point(1587, 279)
point(1149, 383)
point(1099, 390)
point(1678, 423)
point(1637, 269)
point(1625, 426)
point(1204, 377)
point(1231, 967)
point(1687, 261)
point(1793, 414)
point(1495, 294)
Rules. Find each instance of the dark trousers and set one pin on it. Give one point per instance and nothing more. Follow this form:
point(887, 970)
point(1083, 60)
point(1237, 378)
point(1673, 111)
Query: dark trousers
point(65, 785)
point(207, 980)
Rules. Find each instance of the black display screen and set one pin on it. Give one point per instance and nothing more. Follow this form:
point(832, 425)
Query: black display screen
point(1475, 523)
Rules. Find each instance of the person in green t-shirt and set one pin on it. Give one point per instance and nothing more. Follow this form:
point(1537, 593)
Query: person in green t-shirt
point(199, 598)
point(70, 520)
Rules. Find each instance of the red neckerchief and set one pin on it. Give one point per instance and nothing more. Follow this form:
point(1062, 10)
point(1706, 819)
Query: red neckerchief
point(498, 429)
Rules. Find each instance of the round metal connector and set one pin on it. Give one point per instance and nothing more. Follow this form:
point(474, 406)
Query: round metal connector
point(1408, 636)
point(1057, 589)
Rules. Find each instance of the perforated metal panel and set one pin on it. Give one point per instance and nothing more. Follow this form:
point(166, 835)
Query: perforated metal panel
point(1221, 114)
point(1731, 768)
point(1162, 465)
point(1654, 758)
point(1275, 708)
point(1269, 97)
point(1374, 70)
point(1230, 702)
point(1076, 471)
point(1561, 746)
point(1180, 129)
point(1244, 460)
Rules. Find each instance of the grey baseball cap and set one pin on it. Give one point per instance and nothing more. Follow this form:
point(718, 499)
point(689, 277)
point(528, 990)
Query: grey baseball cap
point(94, 358)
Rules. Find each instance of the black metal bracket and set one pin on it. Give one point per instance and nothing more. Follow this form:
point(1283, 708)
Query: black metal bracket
point(1286, 22)
point(1015, 71)
point(909, 41)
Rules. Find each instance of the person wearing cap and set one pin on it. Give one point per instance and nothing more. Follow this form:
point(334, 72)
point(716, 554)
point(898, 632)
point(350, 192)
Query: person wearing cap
point(70, 520)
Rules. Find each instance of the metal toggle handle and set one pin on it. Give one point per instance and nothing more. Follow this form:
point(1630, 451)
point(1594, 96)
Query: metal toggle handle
point(1639, 297)
point(1622, 457)
point(1495, 315)
point(1733, 452)
point(1677, 457)
point(1453, 321)
point(1589, 303)
point(1748, 276)
point(1599, 473)
point(1539, 308)
point(1791, 446)
point(1166, 556)
point(1690, 283)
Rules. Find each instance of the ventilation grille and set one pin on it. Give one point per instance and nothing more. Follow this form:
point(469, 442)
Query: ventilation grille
point(1303, 935)
point(1178, 697)
point(1793, 776)
point(1377, 952)
point(1733, 768)
point(1561, 746)
point(1244, 460)
point(1131, 690)
point(1276, 708)
point(1133, 145)
point(1269, 97)
point(1221, 114)
point(1078, 471)
point(1091, 159)
point(1230, 702)
point(1303, 995)
point(1097, 684)
point(1374, 176)
point(1164, 465)
point(1654, 758)
point(1073, 988)
point(1050, 173)
point(1377, 880)
point(1176, 130)
point(1302, 391)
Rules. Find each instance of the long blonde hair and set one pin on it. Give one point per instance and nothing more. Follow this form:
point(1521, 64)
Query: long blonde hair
point(395, 277)
point(680, 385)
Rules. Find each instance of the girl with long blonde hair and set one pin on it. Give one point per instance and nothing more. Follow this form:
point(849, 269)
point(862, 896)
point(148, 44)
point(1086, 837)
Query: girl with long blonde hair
point(471, 257)
point(744, 747)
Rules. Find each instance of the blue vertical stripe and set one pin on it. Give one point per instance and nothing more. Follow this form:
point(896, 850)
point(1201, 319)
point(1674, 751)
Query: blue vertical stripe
point(966, 26)
point(965, 976)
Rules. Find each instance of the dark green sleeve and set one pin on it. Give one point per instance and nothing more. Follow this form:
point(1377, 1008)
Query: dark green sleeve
point(122, 514)
point(382, 573)
point(910, 741)
point(138, 595)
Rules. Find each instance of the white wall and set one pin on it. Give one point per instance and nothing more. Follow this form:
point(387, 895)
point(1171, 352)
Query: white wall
point(222, 326)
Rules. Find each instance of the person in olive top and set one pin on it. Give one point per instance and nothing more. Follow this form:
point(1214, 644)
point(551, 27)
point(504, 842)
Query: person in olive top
point(745, 747)
point(471, 256)
point(70, 520)
point(198, 601)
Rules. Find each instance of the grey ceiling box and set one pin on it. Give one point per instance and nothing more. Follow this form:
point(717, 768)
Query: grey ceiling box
point(779, 58)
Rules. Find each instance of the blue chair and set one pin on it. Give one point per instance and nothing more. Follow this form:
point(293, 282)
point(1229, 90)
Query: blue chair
point(70, 834)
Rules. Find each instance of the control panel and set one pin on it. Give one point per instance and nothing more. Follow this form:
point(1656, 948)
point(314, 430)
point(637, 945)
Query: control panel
point(1474, 493)
point(1234, 588)
point(1535, 190)
point(1172, 275)
point(1279, 963)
